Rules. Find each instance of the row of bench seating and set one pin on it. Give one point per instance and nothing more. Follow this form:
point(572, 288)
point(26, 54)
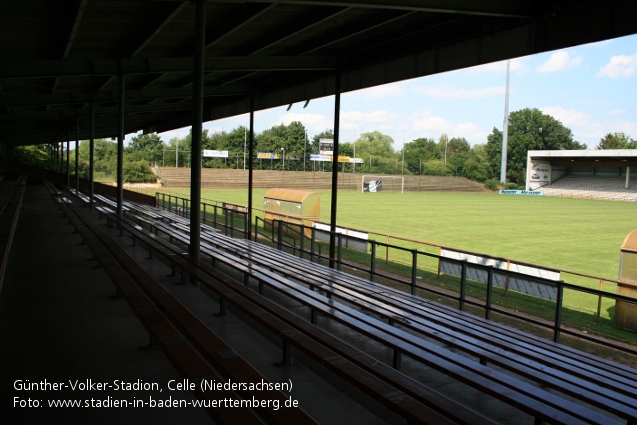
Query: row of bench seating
point(532, 399)
point(415, 402)
point(552, 363)
point(10, 204)
point(612, 388)
point(195, 351)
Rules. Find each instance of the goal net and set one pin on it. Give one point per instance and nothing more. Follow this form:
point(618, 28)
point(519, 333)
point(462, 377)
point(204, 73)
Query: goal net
point(371, 183)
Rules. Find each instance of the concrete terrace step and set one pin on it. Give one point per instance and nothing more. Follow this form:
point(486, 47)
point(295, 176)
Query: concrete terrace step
point(265, 179)
point(605, 188)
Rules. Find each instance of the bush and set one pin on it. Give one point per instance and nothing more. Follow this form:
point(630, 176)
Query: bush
point(138, 172)
point(492, 184)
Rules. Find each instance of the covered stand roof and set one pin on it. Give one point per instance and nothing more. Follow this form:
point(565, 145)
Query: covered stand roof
point(601, 157)
point(59, 57)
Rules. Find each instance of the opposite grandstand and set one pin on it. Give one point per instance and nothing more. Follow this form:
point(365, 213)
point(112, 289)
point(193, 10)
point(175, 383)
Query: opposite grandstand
point(215, 178)
point(593, 174)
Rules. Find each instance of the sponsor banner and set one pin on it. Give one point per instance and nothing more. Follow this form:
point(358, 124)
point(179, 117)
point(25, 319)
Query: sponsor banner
point(269, 155)
point(373, 186)
point(322, 158)
point(356, 160)
point(351, 239)
point(215, 154)
point(328, 158)
point(522, 192)
point(540, 172)
point(516, 283)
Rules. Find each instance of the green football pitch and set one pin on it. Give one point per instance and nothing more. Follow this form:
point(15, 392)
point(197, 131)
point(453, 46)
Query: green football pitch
point(574, 235)
point(580, 235)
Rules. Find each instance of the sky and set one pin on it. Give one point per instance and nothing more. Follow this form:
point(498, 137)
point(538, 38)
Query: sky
point(591, 89)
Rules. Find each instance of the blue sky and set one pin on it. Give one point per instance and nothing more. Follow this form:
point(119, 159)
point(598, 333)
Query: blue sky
point(591, 89)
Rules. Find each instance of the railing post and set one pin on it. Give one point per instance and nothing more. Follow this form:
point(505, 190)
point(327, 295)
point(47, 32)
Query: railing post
point(204, 213)
point(372, 269)
point(279, 243)
point(463, 284)
point(231, 223)
point(599, 300)
point(225, 221)
point(302, 241)
point(558, 311)
point(339, 253)
point(487, 313)
point(414, 267)
point(312, 244)
point(214, 217)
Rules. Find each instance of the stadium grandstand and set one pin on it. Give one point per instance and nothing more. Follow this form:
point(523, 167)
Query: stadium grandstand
point(595, 174)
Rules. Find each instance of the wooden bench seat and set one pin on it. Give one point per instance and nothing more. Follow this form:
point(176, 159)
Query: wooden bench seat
point(110, 203)
point(293, 330)
point(194, 333)
point(184, 357)
point(481, 377)
point(589, 378)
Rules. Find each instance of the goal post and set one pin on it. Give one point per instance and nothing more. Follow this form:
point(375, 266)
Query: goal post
point(374, 183)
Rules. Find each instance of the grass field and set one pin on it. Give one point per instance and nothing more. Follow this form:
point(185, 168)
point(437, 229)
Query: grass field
point(580, 235)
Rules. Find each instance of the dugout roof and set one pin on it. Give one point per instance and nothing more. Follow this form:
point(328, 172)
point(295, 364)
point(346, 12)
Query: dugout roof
point(58, 57)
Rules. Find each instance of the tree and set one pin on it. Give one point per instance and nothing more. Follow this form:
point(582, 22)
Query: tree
point(284, 138)
point(35, 155)
point(419, 151)
point(529, 129)
point(377, 148)
point(145, 147)
point(137, 172)
point(476, 167)
point(616, 141)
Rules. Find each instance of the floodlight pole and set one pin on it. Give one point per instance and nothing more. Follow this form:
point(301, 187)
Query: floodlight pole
point(505, 130)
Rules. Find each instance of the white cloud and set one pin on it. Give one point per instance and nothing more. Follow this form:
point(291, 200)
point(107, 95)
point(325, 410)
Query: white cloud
point(427, 125)
point(385, 91)
point(616, 112)
point(586, 129)
point(449, 92)
point(568, 117)
point(314, 123)
point(619, 66)
point(560, 61)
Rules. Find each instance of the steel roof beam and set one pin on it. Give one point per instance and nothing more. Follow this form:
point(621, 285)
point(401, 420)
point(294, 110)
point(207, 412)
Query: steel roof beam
point(111, 96)
point(101, 67)
point(497, 8)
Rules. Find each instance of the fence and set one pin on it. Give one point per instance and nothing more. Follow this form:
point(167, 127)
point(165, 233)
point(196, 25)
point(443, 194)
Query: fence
point(232, 219)
point(549, 315)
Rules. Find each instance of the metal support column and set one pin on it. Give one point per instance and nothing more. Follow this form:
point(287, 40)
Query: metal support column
point(337, 122)
point(77, 155)
point(91, 148)
point(120, 148)
point(197, 129)
point(68, 153)
point(250, 166)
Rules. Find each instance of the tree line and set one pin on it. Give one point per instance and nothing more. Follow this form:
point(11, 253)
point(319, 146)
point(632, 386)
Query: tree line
point(529, 129)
